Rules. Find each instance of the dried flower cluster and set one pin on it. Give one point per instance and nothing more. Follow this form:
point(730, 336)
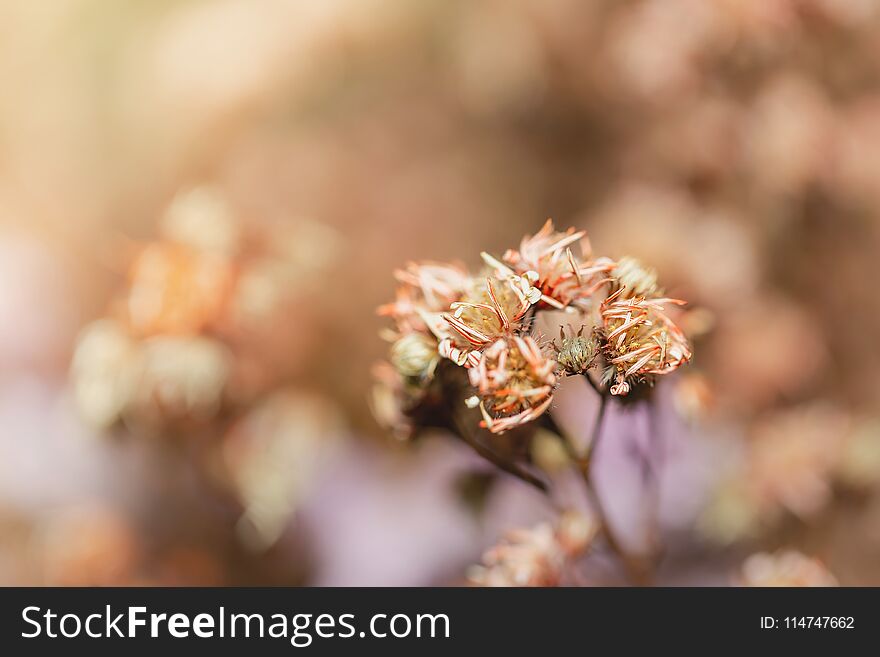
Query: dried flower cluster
point(184, 336)
point(484, 323)
point(789, 466)
point(537, 556)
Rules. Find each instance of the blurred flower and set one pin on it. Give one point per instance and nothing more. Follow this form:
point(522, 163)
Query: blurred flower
point(788, 464)
point(548, 451)
point(415, 355)
point(792, 455)
point(859, 463)
point(104, 372)
point(786, 149)
point(653, 55)
point(202, 220)
point(274, 455)
point(89, 546)
point(537, 556)
point(159, 380)
point(425, 288)
point(283, 263)
point(193, 331)
point(693, 396)
point(734, 511)
point(176, 290)
point(754, 361)
point(787, 568)
point(395, 398)
point(181, 377)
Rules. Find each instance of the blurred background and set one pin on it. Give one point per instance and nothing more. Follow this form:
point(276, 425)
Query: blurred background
point(202, 202)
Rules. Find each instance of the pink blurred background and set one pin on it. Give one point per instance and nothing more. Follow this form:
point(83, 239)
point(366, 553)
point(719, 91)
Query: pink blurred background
point(732, 145)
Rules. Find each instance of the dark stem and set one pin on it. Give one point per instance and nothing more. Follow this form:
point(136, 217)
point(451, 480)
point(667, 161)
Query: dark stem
point(635, 570)
point(655, 449)
point(594, 385)
point(468, 434)
point(595, 436)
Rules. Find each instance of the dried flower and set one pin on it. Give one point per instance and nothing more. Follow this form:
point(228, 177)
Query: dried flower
point(393, 397)
point(515, 383)
point(635, 280)
point(490, 310)
point(426, 288)
point(537, 556)
point(640, 340)
point(558, 272)
point(415, 354)
point(485, 324)
point(787, 568)
point(576, 353)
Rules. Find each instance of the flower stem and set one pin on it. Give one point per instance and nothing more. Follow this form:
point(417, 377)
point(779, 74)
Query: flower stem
point(634, 568)
point(655, 455)
point(510, 467)
point(595, 435)
point(594, 385)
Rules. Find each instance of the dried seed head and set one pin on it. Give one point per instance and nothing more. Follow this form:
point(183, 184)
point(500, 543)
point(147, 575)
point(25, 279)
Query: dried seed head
point(640, 340)
point(415, 355)
point(576, 353)
point(515, 382)
point(489, 310)
point(634, 279)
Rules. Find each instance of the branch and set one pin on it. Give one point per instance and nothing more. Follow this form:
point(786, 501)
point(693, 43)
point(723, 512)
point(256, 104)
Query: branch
point(510, 467)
